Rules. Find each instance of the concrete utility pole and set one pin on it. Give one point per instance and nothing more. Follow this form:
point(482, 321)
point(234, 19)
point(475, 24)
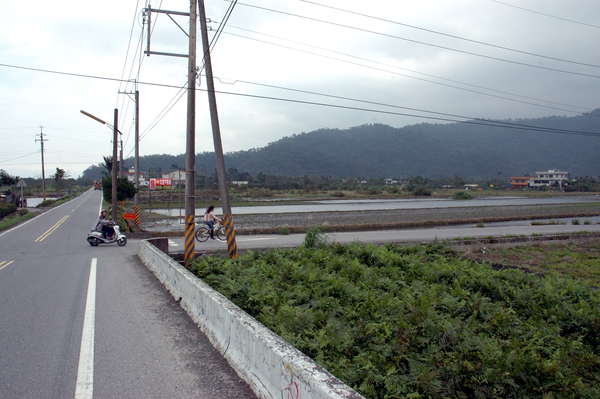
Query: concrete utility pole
point(114, 167)
point(190, 153)
point(137, 157)
point(221, 173)
point(41, 140)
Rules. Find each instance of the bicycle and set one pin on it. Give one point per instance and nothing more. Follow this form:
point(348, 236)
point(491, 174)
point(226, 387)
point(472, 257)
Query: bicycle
point(203, 232)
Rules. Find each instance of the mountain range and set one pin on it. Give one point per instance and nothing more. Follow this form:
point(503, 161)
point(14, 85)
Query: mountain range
point(472, 149)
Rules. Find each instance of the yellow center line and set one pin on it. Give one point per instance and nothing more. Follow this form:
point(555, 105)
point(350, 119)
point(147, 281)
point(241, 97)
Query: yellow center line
point(47, 233)
point(5, 263)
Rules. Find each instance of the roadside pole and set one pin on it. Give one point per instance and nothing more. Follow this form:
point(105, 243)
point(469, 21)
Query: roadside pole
point(190, 153)
point(221, 173)
point(115, 163)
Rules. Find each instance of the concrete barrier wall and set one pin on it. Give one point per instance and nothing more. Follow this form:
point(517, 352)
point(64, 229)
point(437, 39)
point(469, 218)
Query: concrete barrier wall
point(272, 367)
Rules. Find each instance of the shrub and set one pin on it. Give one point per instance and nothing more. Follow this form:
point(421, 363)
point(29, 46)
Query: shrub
point(462, 195)
point(315, 238)
point(418, 321)
point(422, 191)
point(45, 204)
point(7, 209)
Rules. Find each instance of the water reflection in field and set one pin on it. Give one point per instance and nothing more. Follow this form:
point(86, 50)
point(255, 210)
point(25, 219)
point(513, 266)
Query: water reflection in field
point(383, 204)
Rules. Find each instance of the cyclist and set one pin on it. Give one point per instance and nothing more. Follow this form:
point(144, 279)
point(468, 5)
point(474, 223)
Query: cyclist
point(210, 218)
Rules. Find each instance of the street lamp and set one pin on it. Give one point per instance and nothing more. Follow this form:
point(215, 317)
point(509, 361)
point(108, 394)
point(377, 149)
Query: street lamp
point(114, 162)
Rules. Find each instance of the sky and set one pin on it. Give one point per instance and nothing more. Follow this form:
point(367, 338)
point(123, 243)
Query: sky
point(280, 68)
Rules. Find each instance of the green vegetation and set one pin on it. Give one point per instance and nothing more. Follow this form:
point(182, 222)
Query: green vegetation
point(578, 260)
point(7, 209)
point(125, 189)
point(16, 218)
point(455, 151)
point(419, 322)
point(462, 195)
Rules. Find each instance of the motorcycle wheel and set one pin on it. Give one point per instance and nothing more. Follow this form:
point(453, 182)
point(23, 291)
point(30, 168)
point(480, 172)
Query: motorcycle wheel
point(122, 241)
point(93, 242)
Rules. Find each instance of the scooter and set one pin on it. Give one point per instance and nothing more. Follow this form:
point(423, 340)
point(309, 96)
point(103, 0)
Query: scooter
point(97, 237)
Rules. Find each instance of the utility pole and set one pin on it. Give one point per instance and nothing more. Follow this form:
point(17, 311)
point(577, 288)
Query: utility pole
point(137, 152)
point(190, 153)
point(114, 167)
point(41, 140)
point(137, 156)
point(221, 173)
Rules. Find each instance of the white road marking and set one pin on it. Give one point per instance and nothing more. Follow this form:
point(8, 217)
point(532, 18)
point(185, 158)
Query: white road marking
point(173, 243)
point(84, 388)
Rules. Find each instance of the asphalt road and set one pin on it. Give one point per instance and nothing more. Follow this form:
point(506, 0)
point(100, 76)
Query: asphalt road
point(254, 242)
point(82, 321)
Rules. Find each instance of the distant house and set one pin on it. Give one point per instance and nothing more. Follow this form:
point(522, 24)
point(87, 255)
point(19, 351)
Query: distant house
point(240, 182)
point(551, 178)
point(517, 182)
point(130, 175)
point(177, 177)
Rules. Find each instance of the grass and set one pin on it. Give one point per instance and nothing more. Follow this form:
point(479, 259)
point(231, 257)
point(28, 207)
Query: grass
point(577, 260)
point(15, 219)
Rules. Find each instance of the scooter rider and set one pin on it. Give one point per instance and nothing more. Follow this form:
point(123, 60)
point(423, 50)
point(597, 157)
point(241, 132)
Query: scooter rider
point(103, 225)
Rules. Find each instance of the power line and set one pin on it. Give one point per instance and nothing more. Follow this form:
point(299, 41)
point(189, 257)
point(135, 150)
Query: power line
point(453, 36)
point(413, 77)
point(424, 43)
point(476, 121)
point(547, 15)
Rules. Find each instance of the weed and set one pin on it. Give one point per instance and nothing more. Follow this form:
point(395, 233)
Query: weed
point(315, 237)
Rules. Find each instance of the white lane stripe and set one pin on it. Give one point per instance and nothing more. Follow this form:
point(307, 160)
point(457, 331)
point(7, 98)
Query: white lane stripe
point(84, 389)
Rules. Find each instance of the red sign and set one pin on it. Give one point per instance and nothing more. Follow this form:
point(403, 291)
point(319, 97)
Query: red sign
point(160, 184)
point(129, 216)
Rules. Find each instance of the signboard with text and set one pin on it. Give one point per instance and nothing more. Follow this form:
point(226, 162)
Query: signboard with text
point(160, 184)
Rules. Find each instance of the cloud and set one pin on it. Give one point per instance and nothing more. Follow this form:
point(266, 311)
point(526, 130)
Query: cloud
point(270, 62)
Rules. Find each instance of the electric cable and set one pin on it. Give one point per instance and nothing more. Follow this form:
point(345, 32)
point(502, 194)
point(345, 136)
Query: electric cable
point(547, 15)
point(424, 43)
point(420, 79)
point(479, 121)
point(453, 36)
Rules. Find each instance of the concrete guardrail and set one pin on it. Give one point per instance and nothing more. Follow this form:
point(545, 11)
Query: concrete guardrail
point(272, 367)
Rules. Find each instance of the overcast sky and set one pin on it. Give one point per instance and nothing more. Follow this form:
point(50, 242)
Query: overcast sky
point(282, 68)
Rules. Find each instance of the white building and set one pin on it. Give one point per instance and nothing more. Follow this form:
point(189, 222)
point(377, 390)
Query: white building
point(177, 177)
point(550, 178)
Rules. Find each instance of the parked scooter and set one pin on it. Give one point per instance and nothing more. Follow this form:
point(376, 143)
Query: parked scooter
point(98, 237)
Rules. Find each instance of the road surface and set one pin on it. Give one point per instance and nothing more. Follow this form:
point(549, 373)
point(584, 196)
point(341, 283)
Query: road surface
point(81, 321)
point(254, 242)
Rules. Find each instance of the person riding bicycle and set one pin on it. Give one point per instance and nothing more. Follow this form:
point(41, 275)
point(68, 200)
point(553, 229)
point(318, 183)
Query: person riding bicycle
point(210, 218)
point(102, 224)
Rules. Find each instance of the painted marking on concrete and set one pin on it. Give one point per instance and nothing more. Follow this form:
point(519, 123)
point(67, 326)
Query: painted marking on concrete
point(84, 388)
point(173, 243)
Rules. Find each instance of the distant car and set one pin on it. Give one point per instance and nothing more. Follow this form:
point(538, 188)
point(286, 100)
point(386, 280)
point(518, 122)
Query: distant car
point(97, 185)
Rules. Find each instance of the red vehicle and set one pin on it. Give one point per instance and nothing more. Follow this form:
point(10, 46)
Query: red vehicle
point(97, 185)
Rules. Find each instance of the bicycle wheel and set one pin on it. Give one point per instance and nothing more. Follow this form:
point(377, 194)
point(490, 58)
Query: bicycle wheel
point(220, 233)
point(202, 233)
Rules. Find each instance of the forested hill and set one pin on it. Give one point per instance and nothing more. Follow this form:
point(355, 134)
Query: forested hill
point(469, 150)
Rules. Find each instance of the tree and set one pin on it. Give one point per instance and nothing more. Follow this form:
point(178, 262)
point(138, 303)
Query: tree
point(154, 172)
point(59, 176)
point(6, 179)
point(125, 189)
point(417, 181)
